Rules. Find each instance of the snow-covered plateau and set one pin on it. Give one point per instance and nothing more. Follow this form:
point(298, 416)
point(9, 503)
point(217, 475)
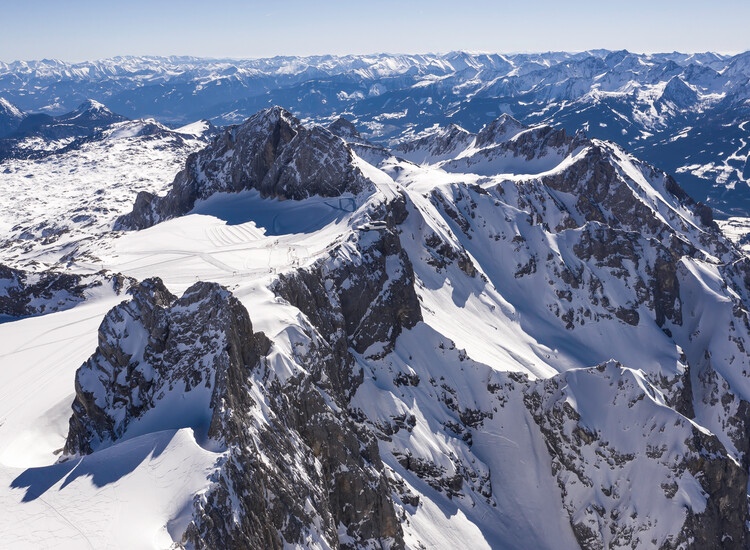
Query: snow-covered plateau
point(281, 334)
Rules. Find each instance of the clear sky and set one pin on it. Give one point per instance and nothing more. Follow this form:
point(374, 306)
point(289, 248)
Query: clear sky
point(76, 30)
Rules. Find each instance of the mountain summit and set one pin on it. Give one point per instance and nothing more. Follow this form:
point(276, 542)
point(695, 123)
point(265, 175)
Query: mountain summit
point(271, 152)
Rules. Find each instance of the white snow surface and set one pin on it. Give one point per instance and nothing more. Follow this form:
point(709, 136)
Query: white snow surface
point(74, 195)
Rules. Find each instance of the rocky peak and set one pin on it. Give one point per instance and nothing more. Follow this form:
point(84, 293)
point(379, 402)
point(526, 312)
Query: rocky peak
point(91, 112)
point(506, 147)
point(444, 143)
point(500, 130)
point(679, 93)
point(271, 152)
point(155, 349)
point(606, 193)
point(91, 106)
point(303, 466)
point(361, 297)
point(344, 129)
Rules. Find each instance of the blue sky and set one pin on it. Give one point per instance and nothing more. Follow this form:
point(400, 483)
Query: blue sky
point(76, 30)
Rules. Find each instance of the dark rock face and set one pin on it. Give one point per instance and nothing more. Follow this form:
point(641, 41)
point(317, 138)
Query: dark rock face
point(23, 293)
point(271, 152)
point(368, 301)
point(310, 470)
point(308, 455)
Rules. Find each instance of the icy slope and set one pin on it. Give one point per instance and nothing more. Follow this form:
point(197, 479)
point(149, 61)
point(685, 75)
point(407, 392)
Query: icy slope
point(543, 345)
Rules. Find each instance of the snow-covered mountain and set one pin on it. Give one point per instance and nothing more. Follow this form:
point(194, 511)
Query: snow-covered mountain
point(10, 117)
point(520, 338)
point(685, 113)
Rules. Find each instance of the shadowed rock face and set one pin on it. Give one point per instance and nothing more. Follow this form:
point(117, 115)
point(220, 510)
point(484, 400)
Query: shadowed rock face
point(369, 301)
point(271, 152)
point(309, 468)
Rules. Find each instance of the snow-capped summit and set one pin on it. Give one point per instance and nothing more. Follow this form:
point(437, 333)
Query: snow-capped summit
point(10, 117)
point(91, 113)
point(502, 129)
point(91, 105)
point(441, 144)
point(678, 93)
point(344, 128)
point(271, 152)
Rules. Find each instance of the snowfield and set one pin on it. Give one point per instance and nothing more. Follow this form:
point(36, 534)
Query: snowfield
point(77, 194)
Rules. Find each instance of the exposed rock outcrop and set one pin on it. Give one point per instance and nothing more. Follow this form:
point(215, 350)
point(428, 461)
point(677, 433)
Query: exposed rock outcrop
point(24, 293)
point(600, 516)
point(307, 470)
point(271, 152)
point(363, 292)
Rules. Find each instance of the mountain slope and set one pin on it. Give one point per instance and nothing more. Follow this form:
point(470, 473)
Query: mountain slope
point(527, 339)
point(10, 117)
point(271, 152)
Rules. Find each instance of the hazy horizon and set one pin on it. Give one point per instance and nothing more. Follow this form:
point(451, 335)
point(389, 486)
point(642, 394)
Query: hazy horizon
point(85, 30)
point(376, 53)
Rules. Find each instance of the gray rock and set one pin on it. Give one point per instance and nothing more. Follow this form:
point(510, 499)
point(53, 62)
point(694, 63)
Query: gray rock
point(271, 152)
point(24, 293)
point(202, 348)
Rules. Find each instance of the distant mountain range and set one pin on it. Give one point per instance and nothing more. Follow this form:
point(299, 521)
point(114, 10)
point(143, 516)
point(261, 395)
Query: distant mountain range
point(688, 114)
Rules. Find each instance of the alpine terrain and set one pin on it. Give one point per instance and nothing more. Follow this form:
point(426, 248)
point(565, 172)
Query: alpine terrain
point(686, 113)
point(444, 325)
